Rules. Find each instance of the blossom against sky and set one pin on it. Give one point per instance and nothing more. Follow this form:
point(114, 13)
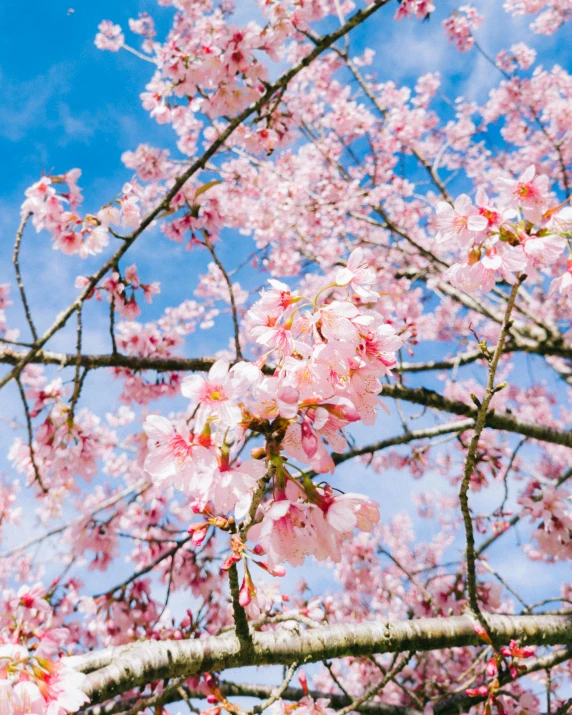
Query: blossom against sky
point(71, 105)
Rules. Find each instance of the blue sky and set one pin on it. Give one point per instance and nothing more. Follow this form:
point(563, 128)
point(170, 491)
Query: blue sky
point(66, 104)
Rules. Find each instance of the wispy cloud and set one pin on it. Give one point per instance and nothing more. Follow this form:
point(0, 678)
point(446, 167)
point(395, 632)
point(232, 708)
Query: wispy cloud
point(26, 105)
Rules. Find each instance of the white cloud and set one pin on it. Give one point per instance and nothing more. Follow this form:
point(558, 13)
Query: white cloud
point(25, 104)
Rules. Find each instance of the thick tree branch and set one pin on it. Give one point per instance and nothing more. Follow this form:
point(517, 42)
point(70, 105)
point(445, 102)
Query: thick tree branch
point(175, 363)
point(92, 362)
point(447, 364)
point(296, 694)
point(118, 669)
point(454, 705)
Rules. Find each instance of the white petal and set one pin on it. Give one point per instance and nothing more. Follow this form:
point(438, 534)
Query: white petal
point(158, 428)
point(219, 370)
point(192, 385)
point(344, 276)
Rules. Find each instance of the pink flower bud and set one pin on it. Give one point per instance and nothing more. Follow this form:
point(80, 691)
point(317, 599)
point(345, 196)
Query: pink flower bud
point(309, 440)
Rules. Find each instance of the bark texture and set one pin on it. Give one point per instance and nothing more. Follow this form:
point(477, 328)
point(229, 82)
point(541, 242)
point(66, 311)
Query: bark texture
point(115, 670)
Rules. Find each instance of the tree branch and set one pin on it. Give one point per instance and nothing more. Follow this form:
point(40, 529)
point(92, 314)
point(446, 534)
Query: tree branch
point(448, 428)
point(92, 362)
point(176, 363)
point(276, 693)
point(461, 703)
point(37, 473)
point(241, 627)
point(145, 569)
point(376, 687)
point(496, 420)
point(16, 262)
point(118, 669)
point(471, 458)
point(136, 489)
point(228, 282)
point(252, 690)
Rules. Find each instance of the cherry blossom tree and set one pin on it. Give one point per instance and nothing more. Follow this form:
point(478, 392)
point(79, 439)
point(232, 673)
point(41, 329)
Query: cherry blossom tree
point(397, 243)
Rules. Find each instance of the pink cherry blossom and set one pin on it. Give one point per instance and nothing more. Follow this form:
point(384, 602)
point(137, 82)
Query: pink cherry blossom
point(334, 320)
point(544, 250)
point(109, 36)
point(529, 192)
point(358, 275)
point(172, 455)
point(563, 284)
point(290, 531)
point(461, 221)
point(460, 25)
point(348, 511)
point(279, 297)
point(229, 488)
point(215, 395)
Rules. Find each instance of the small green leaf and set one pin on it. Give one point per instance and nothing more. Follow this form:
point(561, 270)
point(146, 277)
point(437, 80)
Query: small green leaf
point(206, 187)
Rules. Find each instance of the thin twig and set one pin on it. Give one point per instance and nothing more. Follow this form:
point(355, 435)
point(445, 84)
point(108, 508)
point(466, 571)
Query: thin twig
point(374, 690)
point(78, 382)
point(373, 99)
point(276, 694)
point(16, 262)
point(137, 489)
point(38, 476)
point(228, 282)
point(471, 460)
point(112, 326)
point(335, 678)
point(145, 569)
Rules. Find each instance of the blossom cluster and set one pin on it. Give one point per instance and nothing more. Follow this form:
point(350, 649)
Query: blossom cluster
point(518, 234)
point(117, 286)
point(65, 444)
point(220, 76)
point(520, 56)
point(460, 25)
point(420, 9)
point(109, 37)
point(553, 13)
point(33, 676)
point(328, 354)
point(549, 508)
point(57, 213)
point(5, 332)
